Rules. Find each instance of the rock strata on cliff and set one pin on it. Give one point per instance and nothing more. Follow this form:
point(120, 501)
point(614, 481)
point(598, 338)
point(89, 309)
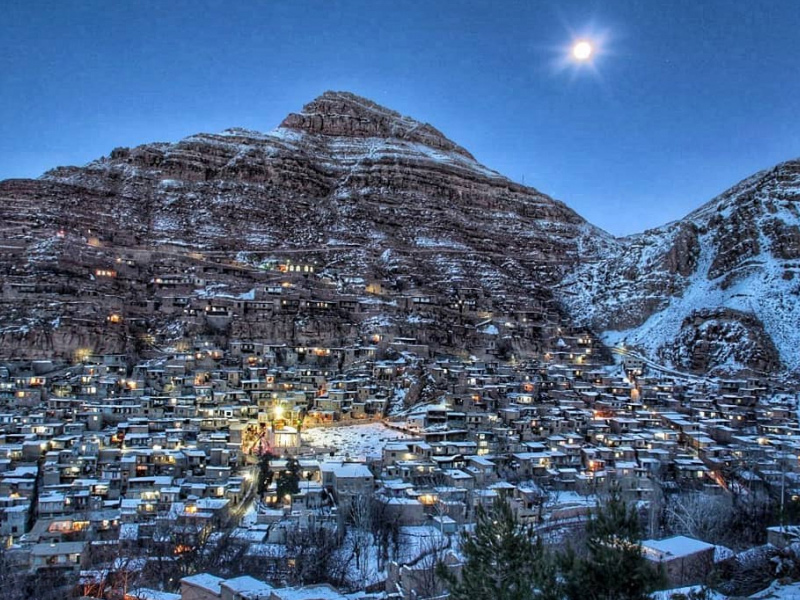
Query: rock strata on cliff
point(364, 196)
point(395, 224)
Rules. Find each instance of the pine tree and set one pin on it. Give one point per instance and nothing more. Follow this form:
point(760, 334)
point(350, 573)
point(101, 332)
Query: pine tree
point(504, 561)
point(612, 567)
point(289, 479)
point(265, 474)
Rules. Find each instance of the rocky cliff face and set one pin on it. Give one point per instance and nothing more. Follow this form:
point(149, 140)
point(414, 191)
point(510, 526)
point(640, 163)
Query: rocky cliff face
point(716, 290)
point(364, 193)
point(343, 170)
point(341, 114)
point(375, 200)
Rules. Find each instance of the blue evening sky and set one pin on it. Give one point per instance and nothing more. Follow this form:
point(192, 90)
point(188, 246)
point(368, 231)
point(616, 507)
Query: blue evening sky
point(684, 98)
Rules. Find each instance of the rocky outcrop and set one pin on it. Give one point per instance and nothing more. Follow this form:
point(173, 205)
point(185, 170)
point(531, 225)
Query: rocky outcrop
point(681, 258)
point(343, 114)
point(723, 340)
point(62, 342)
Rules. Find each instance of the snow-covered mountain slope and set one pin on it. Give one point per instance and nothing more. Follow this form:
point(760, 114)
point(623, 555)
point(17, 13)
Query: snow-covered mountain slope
point(717, 290)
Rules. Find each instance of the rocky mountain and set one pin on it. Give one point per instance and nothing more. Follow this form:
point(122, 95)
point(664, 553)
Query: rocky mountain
point(717, 290)
point(350, 219)
point(364, 196)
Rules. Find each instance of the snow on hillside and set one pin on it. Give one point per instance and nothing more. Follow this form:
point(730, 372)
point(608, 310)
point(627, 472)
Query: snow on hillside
point(779, 591)
point(763, 292)
point(679, 593)
point(739, 252)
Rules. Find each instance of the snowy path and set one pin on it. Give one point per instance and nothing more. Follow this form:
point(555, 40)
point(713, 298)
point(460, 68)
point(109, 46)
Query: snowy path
point(658, 367)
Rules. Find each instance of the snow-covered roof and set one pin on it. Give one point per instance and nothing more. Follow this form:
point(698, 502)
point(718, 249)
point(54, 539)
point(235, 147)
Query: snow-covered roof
point(310, 592)
point(351, 471)
point(148, 594)
point(673, 547)
point(206, 581)
point(247, 586)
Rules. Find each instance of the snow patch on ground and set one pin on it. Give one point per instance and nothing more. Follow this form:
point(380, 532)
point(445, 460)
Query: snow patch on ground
point(685, 591)
point(779, 591)
point(355, 441)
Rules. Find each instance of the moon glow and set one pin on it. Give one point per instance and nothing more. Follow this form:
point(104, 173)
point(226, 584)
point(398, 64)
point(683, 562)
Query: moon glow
point(582, 50)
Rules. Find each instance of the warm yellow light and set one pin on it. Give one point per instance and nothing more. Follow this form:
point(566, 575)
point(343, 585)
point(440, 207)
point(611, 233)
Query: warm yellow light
point(582, 50)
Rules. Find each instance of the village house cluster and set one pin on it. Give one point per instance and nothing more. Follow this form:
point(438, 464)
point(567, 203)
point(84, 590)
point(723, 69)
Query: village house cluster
point(96, 457)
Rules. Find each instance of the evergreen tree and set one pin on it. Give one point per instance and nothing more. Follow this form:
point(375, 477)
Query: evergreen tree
point(265, 475)
point(612, 566)
point(289, 479)
point(504, 561)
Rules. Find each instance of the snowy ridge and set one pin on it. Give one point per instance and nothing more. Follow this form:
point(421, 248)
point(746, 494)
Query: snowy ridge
point(739, 252)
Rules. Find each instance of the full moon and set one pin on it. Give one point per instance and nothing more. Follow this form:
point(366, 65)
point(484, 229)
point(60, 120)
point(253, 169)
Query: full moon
point(582, 50)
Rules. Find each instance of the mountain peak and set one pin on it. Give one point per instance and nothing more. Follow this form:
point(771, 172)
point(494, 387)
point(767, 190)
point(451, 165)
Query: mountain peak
point(348, 115)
